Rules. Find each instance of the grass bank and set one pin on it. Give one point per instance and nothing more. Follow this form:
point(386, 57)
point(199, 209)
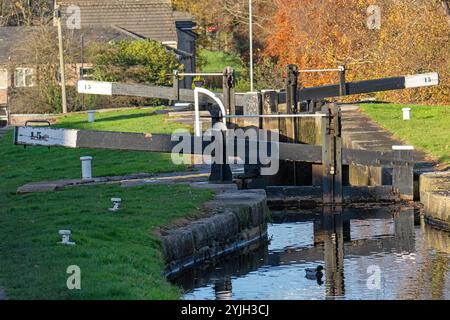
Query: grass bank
point(118, 254)
point(217, 61)
point(132, 120)
point(34, 164)
point(428, 130)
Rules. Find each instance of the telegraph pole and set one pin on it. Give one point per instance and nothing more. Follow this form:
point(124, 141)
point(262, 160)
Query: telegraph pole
point(61, 59)
point(251, 43)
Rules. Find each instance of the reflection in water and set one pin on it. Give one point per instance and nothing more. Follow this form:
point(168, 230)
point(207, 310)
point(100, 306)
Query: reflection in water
point(224, 289)
point(333, 237)
point(440, 268)
point(440, 263)
point(413, 259)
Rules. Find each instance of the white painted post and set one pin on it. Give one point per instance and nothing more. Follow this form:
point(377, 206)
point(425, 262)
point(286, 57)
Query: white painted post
point(65, 234)
point(86, 168)
point(116, 204)
point(406, 114)
point(91, 116)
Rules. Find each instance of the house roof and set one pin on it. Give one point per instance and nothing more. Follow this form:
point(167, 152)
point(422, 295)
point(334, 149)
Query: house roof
point(99, 34)
point(10, 37)
point(105, 20)
point(153, 19)
point(13, 38)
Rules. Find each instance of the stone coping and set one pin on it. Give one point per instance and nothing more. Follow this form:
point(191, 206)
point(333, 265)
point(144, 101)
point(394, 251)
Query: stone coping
point(126, 181)
point(48, 186)
point(233, 220)
point(435, 197)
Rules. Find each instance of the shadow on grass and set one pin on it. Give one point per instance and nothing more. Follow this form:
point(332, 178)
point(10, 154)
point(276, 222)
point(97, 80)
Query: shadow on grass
point(109, 119)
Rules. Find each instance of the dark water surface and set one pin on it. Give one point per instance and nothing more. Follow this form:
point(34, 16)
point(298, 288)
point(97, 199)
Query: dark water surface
point(381, 253)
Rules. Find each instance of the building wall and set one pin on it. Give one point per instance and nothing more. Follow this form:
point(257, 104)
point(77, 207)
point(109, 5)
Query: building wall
point(5, 82)
point(3, 96)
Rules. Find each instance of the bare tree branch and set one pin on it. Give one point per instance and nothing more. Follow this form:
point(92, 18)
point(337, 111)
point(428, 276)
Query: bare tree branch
point(24, 12)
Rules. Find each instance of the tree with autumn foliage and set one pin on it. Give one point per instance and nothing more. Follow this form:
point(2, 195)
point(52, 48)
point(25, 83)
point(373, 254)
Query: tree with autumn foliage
point(413, 37)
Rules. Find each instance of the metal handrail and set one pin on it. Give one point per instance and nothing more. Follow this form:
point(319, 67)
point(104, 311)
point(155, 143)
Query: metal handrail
point(340, 69)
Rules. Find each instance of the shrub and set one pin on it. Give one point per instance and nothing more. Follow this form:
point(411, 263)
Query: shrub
point(141, 61)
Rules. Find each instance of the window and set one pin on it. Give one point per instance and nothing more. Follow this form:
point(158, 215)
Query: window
point(87, 72)
point(23, 77)
point(3, 79)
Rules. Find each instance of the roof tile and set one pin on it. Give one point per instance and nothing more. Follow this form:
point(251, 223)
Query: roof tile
point(153, 19)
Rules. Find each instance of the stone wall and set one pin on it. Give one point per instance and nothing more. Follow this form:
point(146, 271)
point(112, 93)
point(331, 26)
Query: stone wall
point(234, 220)
point(435, 196)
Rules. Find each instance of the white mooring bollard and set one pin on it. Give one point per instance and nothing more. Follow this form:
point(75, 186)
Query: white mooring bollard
point(65, 234)
point(86, 168)
point(406, 114)
point(116, 204)
point(91, 116)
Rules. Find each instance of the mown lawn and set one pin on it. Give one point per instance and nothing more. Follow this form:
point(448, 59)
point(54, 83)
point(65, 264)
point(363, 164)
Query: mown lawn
point(118, 254)
point(132, 120)
point(428, 130)
point(217, 61)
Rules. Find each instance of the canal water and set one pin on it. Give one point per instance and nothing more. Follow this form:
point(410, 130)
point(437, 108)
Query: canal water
point(368, 253)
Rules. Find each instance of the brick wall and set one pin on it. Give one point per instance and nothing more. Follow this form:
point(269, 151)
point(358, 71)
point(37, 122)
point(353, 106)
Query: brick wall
point(3, 96)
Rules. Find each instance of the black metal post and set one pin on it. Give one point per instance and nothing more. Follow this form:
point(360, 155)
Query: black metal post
point(291, 124)
point(333, 232)
point(229, 96)
point(220, 173)
point(332, 155)
point(342, 81)
point(291, 89)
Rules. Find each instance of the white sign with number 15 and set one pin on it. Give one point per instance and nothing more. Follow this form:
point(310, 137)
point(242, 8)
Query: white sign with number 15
point(422, 80)
point(95, 87)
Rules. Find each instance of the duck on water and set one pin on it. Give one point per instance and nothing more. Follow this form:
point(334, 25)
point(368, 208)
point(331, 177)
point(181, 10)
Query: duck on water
point(315, 274)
